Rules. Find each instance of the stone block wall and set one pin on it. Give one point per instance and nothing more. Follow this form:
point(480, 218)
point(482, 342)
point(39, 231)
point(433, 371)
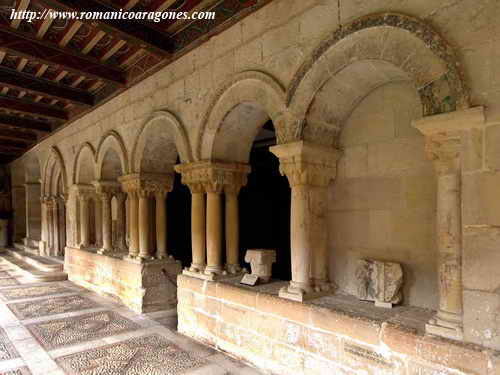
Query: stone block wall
point(283, 336)
point(143, 287)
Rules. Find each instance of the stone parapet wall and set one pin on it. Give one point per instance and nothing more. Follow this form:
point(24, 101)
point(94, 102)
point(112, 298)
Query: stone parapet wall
point(143, 287)
point(282, 336)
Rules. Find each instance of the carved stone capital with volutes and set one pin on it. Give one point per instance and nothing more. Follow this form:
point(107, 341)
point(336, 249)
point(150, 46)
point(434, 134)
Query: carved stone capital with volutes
point(147, 183)
point(213, 177)
point(305, 163)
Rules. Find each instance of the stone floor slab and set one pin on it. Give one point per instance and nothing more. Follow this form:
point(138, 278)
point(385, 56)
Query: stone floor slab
point(24, 292)
point(51, 306)
point(7, 350)
point(147, 355)
point(74, 330)
point(8, 282)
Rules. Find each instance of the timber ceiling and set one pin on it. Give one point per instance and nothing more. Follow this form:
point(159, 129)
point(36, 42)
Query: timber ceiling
point(54, 71)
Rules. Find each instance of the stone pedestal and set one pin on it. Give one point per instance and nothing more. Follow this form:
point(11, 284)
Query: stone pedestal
point(261, 263)
point(309, 169)
point(142, 285)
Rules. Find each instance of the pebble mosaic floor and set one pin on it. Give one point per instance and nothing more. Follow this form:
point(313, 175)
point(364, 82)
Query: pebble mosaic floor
point(60, 328)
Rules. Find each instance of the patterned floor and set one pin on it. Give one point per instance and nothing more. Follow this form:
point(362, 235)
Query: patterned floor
point(59, 328)
point(75, 330)
point(7, 350)
point(51, 306)
point(151, 355)
point(32, 291)
point(4, 274)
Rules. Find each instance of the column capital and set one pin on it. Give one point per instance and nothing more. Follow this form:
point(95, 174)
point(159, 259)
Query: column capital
point(106, 189)
point(83, 191)
point(307, 163)
point(444, 152)
point(147, 183)
point(214, 176)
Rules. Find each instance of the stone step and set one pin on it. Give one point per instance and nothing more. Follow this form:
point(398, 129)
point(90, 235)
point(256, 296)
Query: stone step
point(41, 263)
point(29, 272)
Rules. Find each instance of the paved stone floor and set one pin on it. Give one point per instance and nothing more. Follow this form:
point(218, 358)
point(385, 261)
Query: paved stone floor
point(60, 328)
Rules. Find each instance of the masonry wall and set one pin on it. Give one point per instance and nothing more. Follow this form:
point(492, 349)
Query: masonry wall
point(283, 336)
point(383, 201)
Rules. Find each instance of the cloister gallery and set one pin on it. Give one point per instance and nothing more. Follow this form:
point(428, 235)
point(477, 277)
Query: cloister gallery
point(308, 185)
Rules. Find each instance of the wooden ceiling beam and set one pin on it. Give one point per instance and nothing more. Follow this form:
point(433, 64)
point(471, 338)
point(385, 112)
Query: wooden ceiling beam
point(25, 82)
point(20, 136)
point(7, 121)
point(20, 44)
point(137, 32)
point(33, 109)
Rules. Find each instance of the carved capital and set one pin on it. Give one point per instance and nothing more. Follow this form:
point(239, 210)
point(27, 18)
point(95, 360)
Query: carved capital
point(147, 183)
point(444, 152)
point(289, 128)
point(106, 189)
point(214, 177)
point(307, 163)
point(83, 191)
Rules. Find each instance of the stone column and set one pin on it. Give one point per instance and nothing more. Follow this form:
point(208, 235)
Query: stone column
point(213, 178)
point(161, 224)
point(233, 224)
point(84, 220)
point(122, 230)
point(44, 235)
point(444, 134)
point(55, 227)
point(309, 169)
point(134, 224)
point(214, 230)
point(98, 222)
point(144, 223)
point(50, 219)
point(107, 232)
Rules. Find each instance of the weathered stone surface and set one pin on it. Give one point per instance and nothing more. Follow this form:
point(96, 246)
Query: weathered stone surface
point(261, 263)
point(381, 282)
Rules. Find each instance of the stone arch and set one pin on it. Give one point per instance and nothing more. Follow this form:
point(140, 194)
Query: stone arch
point(111, 158)
point(84, 170)
point(54, 174)
point(386, 47)
point(249, 96)
point(165, 138)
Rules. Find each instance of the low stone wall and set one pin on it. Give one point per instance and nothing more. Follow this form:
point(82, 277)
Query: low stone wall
point(283, 336)
point(143, 287)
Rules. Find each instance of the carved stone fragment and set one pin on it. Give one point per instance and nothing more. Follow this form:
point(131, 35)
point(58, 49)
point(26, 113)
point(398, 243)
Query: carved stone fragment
point(261, 262)
point(381, 282)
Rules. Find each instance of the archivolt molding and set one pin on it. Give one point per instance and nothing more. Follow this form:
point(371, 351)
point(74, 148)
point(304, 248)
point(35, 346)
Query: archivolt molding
point(248, 86)
point(112, 139)
point(76, 163)
point(180, 136)
point(54, 160)
point(444, 93)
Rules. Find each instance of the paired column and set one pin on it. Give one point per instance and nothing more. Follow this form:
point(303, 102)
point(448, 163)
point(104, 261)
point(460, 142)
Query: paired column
point(121, 225)
point(309, 168)
point(84, 220)
point(106, 190)
point(141, 189)
point(208, 182)
point(33, 213)
point(43, 245)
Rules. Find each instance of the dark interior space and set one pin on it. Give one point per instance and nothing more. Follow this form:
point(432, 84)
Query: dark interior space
point(179, 222)
point(265, 206)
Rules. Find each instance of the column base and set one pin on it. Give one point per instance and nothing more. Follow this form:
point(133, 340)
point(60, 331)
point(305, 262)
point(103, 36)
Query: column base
point(235, 269)
point(322, 285)
point(104, 251)
point(300, 294)
point(208, 275)
point(446, 325)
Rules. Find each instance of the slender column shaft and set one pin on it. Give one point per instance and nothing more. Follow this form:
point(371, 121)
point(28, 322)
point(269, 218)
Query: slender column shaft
point(299, 242)
point(50, 232)
point(44, 235)
point(107, 243)
point(98, 223)
point(144, 250)
point(133, 224)
point(121, 211)
point(449, 247)
point(84, 222)
point(232, 232)
point(214, 232)
point(55, 227)
point(161, 224)
point(318, 201)
point(198, 231)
